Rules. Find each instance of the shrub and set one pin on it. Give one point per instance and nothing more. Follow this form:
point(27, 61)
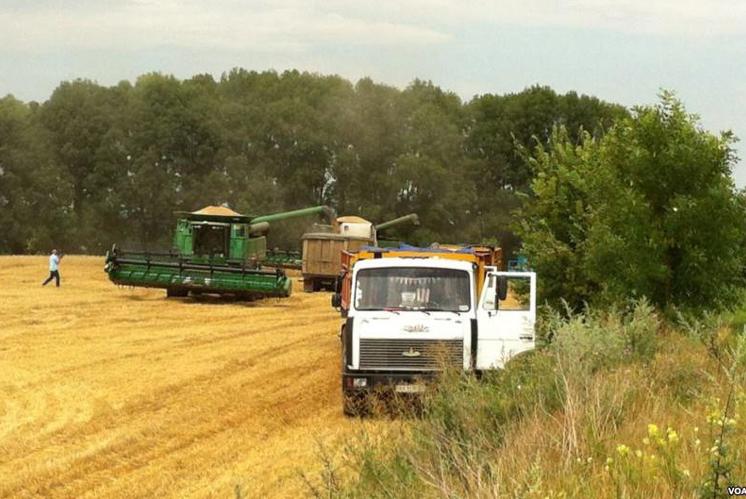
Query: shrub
point(581, 377)
point(631, 214)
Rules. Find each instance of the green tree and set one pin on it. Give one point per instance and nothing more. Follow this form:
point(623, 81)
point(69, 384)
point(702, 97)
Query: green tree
point(77, 118)
point(167, 155)
point(370, 127)
point(432, 174)
point(497, 123)
point(649, 209)
point(35, 195)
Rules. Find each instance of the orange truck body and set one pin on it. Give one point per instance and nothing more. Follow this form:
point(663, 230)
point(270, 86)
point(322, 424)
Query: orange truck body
point(480, 256)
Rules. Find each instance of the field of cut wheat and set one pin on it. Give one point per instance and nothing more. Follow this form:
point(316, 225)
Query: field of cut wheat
point(114, 392)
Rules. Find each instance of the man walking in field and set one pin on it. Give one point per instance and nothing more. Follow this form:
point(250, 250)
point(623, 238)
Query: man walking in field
point(54, 268)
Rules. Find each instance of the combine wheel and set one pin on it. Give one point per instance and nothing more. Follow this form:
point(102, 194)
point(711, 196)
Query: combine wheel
point(175, 292)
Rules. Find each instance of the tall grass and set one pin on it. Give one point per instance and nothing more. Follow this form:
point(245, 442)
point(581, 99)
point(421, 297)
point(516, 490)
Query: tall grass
point(617, 404)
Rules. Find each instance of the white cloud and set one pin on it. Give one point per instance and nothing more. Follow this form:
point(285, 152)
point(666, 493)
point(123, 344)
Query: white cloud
point(665, 17)
point(294, 25)
point(138, 24)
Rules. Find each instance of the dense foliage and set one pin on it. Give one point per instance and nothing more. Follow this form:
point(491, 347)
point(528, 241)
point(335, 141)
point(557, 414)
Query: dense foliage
point(620, 403)
point(94, 164)
point(649, 209)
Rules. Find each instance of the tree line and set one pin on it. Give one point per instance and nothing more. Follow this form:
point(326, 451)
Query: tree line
point(94, 165)
point(607, 203)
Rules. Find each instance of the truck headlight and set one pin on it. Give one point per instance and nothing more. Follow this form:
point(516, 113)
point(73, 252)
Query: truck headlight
point(360, 382)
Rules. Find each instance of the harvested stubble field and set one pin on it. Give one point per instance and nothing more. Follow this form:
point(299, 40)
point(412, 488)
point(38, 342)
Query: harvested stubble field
point(113, 392)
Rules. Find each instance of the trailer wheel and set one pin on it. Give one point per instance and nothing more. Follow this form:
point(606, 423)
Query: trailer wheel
point(309, 285)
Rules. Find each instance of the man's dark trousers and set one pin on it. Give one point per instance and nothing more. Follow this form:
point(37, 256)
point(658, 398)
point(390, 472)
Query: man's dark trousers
point(53, 274)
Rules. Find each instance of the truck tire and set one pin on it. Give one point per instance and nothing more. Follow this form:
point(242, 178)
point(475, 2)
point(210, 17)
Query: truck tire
point(349, 407)
point(309, 285)
point(354, 405)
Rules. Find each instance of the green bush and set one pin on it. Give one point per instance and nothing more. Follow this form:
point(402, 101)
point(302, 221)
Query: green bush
point(630, 214)
point(464, 420)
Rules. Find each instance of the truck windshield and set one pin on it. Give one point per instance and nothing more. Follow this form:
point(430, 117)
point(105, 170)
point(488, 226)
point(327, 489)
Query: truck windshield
point(413, 288)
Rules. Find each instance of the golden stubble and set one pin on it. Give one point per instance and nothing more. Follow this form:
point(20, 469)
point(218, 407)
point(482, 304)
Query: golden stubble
point(120, 392)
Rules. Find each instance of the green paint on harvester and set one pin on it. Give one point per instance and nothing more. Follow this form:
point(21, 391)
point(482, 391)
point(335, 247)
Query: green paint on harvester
point(215, 250)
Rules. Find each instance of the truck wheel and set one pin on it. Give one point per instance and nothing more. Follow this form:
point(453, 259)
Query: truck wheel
point(309, 285)
point(353, 405)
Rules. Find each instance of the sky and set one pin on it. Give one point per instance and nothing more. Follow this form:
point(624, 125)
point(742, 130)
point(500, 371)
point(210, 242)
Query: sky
point(622, 51)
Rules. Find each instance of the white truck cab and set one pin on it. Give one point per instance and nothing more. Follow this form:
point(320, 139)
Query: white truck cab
point(408, 318)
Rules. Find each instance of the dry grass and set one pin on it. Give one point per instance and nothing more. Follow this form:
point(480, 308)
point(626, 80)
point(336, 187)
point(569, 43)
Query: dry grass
point(119, 392)
point(619, 405)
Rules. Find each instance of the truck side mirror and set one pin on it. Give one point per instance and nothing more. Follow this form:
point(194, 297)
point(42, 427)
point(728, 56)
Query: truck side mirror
point(337, 300)
point(502, 288)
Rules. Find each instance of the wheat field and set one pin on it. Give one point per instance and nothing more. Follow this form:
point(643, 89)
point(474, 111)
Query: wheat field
point(120, 392)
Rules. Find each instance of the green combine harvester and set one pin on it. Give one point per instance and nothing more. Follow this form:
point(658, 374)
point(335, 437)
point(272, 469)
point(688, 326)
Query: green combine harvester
point(285, 259)
point(216, 250)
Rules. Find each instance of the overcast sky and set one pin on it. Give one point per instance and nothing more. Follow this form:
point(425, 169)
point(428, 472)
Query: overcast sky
point(622, 51)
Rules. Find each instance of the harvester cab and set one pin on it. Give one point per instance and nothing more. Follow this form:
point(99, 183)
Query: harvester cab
point(220, 235)
point(215, 250)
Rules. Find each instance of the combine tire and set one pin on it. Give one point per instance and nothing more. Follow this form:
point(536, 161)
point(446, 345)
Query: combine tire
point(176, 293)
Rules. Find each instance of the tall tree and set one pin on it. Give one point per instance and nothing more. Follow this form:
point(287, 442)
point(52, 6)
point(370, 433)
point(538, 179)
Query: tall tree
point(649, 209)
point(78, 117)
point(499, 123)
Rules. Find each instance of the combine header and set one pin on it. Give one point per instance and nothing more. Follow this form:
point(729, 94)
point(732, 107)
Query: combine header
point(216, 250)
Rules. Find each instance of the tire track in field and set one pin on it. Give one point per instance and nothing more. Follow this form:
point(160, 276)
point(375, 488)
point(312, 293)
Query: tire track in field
point(129, 394)
point(138, 451)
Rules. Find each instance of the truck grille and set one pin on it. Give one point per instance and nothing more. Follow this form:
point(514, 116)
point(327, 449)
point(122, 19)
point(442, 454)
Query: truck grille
point(411, 354)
